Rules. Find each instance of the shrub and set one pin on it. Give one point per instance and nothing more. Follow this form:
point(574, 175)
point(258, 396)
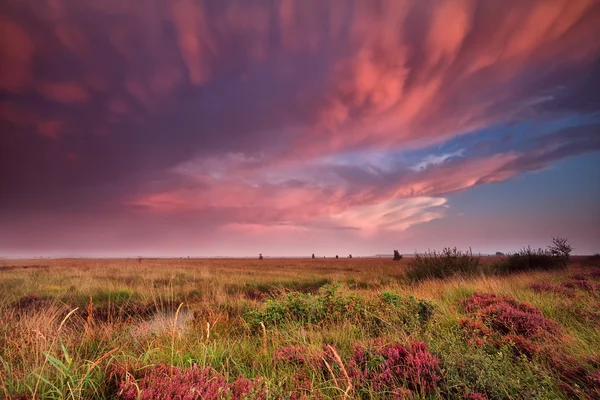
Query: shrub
point(439, 265)
point(394, 366)
point(581, 285)
point(167, 382)
point(560, 250)
point(556, 256)
point(545, 287)
point(397, 255)
point(520, 345)
point(507, 316)
point(329, 305)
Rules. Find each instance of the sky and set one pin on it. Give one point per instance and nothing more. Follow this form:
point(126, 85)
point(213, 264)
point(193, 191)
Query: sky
point(233, 128)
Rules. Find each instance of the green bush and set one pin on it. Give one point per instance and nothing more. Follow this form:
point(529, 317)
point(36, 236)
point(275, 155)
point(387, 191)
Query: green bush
point(329, 305)
point(439, 265)
point(528, 259)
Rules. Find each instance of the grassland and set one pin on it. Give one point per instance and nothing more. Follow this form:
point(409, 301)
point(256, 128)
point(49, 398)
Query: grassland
point(289, 328)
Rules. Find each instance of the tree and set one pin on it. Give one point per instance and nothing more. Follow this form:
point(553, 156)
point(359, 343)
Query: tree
point(336, 256)
point(500, 254)
point(350, 256)
point(260, 257)
point(560, 249)
point(397, 255)
point(313, 256)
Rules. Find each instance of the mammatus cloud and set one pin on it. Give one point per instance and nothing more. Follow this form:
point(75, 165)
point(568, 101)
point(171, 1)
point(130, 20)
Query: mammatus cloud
point(275, 115)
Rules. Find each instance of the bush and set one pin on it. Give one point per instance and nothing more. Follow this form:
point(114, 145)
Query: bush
point(560, 250)
point(167, 382)
point(392, 367)
point(439, 265)
point(508, 317)
point(556, 256)
point(329, 305)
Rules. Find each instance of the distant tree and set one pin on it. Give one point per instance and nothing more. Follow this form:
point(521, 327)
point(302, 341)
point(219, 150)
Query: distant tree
point(336, 256)
point(260, 257)
point(500, 254)
point(397, 255)
point(139, 259)
point(350, 256)
point(561, 249)
point(313, 256)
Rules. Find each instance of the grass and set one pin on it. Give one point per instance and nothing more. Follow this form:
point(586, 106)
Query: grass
point(314, 328)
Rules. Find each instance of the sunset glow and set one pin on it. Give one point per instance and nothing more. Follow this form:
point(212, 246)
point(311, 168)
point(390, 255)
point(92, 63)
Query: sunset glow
point(233, 128)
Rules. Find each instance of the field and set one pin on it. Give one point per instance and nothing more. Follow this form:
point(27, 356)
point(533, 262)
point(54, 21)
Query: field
point(295, 328)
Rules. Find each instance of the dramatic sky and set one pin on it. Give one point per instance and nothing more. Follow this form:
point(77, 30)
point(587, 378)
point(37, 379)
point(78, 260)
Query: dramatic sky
point(184, 127)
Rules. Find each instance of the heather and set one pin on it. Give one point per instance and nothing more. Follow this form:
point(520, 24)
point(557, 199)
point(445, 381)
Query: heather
point(172, 383)
point(296, 329)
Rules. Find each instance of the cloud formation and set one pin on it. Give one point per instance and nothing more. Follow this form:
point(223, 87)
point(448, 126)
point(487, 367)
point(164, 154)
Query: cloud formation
point(287, 115)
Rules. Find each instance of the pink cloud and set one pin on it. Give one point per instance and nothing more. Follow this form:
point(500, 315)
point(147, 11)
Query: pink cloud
point(65, 92)
point(16, 52)
point(244, 109)
point(50, 128)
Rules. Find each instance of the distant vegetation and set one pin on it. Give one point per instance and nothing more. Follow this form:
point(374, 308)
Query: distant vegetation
point(453, 262)
point(397, 255)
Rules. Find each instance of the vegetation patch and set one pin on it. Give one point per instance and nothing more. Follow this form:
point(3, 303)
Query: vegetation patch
point(555, 256)
point(168, 382)
point(447, 263)
point(330, 305)
point(506, 316)
point(263, 290)
point(395, 369)
point(30, 303)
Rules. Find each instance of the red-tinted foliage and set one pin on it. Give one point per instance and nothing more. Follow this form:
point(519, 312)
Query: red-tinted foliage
point(507, 316)
point(293, 354)
point(545, 287)
point(394, 366)
point(402, 394)
point(475, 331)
point(302, 388)
point(578, 379)
point(594, 274)
point(475, 396)
point(172, 383)
point(520, 345)
point(594, 360)
point(581, 284)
